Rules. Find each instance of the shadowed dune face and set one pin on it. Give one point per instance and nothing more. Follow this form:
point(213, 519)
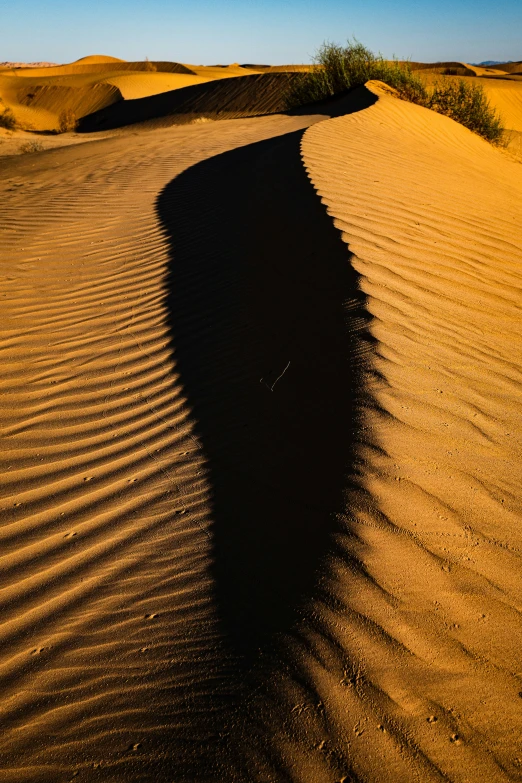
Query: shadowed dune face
point(242, 96)
point(269, 328)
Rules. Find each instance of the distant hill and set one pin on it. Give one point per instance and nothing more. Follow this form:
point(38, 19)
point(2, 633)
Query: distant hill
point(25, 65)
point(487, 63)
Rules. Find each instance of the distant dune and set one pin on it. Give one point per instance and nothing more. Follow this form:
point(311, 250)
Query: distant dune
point(26, 65)
point(98, 59)
point(513, 67)
point(218, 99)
point(38, 95)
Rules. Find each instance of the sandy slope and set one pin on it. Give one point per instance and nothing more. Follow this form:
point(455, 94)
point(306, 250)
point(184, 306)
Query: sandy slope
point(38, 103)
point(112, 659)
point(260, 506)
point(140, 85)
point(243, 96)
point(515, 67)
point(432, 620)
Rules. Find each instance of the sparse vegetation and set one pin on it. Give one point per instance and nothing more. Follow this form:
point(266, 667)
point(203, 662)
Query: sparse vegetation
point(457, 72)
point(8, 120)
point(31, 146)
point(67, 121)
point(337, 69)
point(466, 103)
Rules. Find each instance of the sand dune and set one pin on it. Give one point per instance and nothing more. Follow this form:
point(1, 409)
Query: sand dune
point(98, 59)
point(481, 71)
point(142, 85)
point(87, 66)
point(244, 96)
point(506, 97)
point(260, 508)
point(515, 67)
point(38, 95)
point(219, 71)
point(449, 68)
point(37, 106)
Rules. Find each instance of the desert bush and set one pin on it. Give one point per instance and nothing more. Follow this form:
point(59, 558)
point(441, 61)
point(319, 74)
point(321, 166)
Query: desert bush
point(8, 120)
point(337, 69)
point(67, 121)
point(466, 103)
point(149, 66)
point(31, 146)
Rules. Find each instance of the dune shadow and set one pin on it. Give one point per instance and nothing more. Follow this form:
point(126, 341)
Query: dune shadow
point(251, 95)
point(269, 327)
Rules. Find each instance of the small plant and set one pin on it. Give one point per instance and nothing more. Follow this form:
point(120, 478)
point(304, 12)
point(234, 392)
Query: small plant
point(149, 66)
point(67, 121)
point(31, 146)
point(8, 120)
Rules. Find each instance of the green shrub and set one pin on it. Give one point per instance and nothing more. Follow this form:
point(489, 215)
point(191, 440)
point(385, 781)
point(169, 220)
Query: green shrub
point(337, 69)
point(466, 103)
point(8, 120)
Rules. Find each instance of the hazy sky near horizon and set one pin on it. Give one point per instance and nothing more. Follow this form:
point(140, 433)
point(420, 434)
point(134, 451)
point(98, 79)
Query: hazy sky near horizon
point(262, 31)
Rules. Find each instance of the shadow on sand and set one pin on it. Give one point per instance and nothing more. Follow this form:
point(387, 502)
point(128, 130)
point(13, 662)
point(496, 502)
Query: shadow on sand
point(270, 332)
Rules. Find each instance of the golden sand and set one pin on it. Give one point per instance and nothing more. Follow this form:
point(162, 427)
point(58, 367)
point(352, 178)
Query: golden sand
point(261, 456)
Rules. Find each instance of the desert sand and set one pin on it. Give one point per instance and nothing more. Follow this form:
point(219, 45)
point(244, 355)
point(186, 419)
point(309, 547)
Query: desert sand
point(261, 438)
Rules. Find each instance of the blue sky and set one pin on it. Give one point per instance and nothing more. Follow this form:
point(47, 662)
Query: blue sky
point(262, 31)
